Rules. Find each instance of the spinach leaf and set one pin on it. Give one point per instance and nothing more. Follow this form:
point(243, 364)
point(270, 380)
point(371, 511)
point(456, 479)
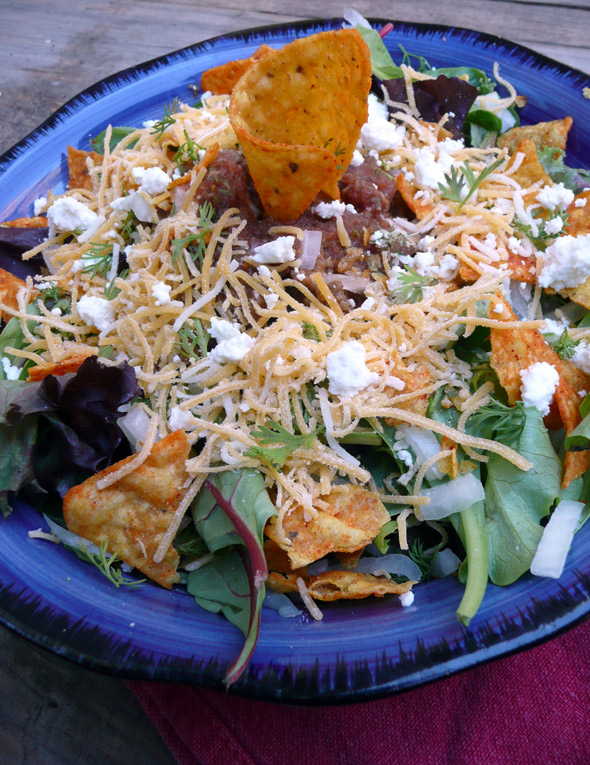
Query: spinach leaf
point(482, 127)
point(516, 501)
point(580, 436)
point(230, 513)
point(16, 464)
point(117, 135)
point(476, 77)
point(382, 65)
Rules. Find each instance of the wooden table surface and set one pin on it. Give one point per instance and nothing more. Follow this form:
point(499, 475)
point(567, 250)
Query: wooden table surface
point(53, 711)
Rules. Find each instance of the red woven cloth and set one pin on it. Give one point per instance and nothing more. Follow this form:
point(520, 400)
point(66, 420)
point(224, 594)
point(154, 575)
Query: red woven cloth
point(531, 708)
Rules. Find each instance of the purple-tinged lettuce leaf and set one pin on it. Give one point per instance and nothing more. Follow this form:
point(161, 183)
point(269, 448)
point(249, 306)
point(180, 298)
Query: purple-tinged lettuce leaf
point(15, 241)
point(435, 98)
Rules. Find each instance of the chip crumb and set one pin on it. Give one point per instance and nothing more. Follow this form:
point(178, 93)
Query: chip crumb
point(586, 93)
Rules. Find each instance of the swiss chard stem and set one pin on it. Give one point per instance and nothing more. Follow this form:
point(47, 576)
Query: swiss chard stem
point(476, 546)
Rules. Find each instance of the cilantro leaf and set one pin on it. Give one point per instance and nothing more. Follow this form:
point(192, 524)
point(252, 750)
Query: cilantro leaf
point(410, 286)
point(455, 188)
point(565, 347)
point(276, 434)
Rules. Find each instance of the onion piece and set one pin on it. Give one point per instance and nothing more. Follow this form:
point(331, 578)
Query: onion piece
point(114, 262)
point(141, 207)
point(549, 559)
point(134, 424)
point(452, 497)
point(446, 563)
point(329, 423)
point(70, 539)
point(393, 563)
point(310, 249)
point(278, 601)
point(349, 282)
point(424, 444)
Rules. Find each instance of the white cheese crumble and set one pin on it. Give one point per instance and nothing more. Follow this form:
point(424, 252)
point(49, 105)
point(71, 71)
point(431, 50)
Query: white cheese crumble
point(271, 300)
point(67, 214)
point(232, 344)
point(406, 599)
point(280, 250)
point(539, 382)
point(161, 293)
point(578, 203)
point(179, 419)
point(581, 357)
point(566, 262)
point(150, 123)
point(332, 209)
point(553, 226)
point(347, 370)
point(555, 197)
point(96, 311)
point(11, 371)
point(357, 159)
point(152, 180)
point(378, 134)
point(430, 169)
point(498, 308)
point(39, 205)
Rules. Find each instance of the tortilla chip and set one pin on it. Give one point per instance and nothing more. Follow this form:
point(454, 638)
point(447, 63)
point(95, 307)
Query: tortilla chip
point(420, 207)
point(514, 350)
point(523, 269)
point(208, 158)
point(340, 585)
point(134, 513)
point(449, 465)
point(350, 560)
point(222, 79)
point(57, 368)
point(9, 287)
point(297, 113)
point(542, 134)
point(578, 222)
point(352, 520)
point(37, 221)
point(531, 170)
point(80, 178)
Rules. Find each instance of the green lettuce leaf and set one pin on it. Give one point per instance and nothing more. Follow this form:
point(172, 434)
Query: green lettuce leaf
point(516, 501)
point(382, 65)
point(117, 135)
point(552, 160)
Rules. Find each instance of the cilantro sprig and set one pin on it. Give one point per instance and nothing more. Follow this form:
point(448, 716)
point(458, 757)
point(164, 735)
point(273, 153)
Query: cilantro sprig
point(107, 565)
point(460, 187)
point(276, 434)
point(196, 244)
point(540, 238)
point(410, 286)
point(565, 347)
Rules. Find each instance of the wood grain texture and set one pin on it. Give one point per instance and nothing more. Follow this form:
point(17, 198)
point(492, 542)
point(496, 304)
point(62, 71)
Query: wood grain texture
point(52, 711)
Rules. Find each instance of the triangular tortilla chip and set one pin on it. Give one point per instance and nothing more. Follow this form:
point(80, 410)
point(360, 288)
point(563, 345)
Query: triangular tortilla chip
point(79, 177)
point(552, 134)
point(134, 513)
point(530, 170)
point(221, 80)
point(9, 287)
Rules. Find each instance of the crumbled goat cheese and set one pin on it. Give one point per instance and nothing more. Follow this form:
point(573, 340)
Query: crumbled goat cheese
point(513, 243)
point(554, 197)
point(426, 241)
point(553, 327)
point(406, 599)
point(553, 226)
point(122, 203)
point(395, 382)
point(152, 180)
point(271, 300)
point(11, 371)
point(498, 308)
point(357, 159)
point(232, 344)
point(581, 357)
point(332, 209)
point(378, 134)
point(263, 271)
point(179, 419)
point(150, 123)
point(577, 203)
point(67, 214)
point(96, 312)
point(539, 382)
point(566, 262)
point(430, 170)
point(244, 406)
point(406, 457)
point(39, 205)
point(347, 371)
point(228, 458)
point(280, 250)
point(446, 268)
point(161, 293)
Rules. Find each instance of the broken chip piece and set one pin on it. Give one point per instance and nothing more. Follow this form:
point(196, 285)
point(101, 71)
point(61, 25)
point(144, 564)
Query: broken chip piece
point(339, 585)
point(552, 133)
point(298, 113)
point(222, 79)
point(134, 513)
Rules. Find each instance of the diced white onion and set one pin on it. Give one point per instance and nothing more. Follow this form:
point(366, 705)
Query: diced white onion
point(135, 424)
point(424, 444)
point(349, 282)
point(310, 249)
point(452, 497)
point(278, 601)
point(68, 537)
point(393, 563)
point(446, 563)
point(354, 18)
point(329, 423)
point(557, 537)
point(141, 208)
point(114, 262)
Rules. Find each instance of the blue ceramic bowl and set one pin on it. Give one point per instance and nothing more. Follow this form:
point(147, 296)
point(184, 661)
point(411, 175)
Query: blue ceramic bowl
point(361, 650)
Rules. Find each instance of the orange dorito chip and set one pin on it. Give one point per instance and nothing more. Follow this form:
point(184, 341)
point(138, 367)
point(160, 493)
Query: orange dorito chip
point(352, 520)
point(419, 207)
point(134, 513)
point(79, 177)
point(38, 221)
point(57, 368)
point(297, 113)
point(222, 79)
point(514, 350)
point(542, 134)
point(9, 287)
point(530, 170)
point(340, 585)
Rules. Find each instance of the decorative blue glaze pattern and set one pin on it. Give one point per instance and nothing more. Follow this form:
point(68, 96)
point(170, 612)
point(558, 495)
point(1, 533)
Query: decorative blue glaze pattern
point(362, 649)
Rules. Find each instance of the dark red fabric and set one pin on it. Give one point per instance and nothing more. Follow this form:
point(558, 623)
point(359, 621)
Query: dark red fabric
point(529, 709)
